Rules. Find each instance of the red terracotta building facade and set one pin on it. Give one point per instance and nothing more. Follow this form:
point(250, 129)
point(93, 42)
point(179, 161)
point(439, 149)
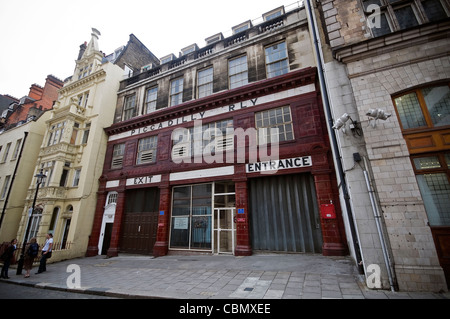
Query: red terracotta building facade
point(223, 150)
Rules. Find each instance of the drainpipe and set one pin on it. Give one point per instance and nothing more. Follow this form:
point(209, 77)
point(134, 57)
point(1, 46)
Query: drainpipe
point(377, 217)
point(335, 149)
point(12, 179)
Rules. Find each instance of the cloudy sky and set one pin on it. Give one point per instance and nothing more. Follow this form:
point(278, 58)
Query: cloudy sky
point(38, 38)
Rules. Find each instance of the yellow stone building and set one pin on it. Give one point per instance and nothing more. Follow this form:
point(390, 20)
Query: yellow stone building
point(73, 148)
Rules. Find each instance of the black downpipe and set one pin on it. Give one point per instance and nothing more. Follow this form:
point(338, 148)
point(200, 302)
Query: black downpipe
point(325, 98)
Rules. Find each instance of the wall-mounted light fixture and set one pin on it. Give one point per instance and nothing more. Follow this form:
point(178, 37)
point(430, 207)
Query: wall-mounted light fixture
point(340, 124)
point(377, 114)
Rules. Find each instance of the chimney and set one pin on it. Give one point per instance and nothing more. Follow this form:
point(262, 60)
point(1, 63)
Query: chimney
point(36, 92)
point(82, 49)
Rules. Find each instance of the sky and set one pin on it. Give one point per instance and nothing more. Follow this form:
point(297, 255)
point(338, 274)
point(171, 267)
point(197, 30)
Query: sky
point(42, 37)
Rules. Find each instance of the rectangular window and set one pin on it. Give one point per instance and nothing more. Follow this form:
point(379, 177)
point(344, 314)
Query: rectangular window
point(86, 133)
point(238, 72)
point(409, 110)
point(176, 92)
point(205, 82)
point(406, 17)
point(385, 16)
point(56, 133)
point(5, 155)
point(434, 10)
point(5, 187)
point(279, 119)
point(76, 177)
point(277, 62)
point(191, 217)
point(73, 139)
point(147, 150)
point(16, 149)
point(433, 178)
point(118, 152)
point(129, 107)
point(150, 101)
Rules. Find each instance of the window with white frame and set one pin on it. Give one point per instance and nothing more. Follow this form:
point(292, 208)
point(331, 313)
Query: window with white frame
point(117, 159)
point(76, 177)
point(5, 187)
point(147, 150)
point(238, 72)
point(205, 82)
point(129, 107)
point(274, 125)
point(16, 149)
point(277, 62)
point(176, 91)
point(151, 99)
point(5, 155)
point(56, 132)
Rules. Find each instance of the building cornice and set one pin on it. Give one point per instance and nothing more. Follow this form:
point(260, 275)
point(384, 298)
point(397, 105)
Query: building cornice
point(90, 78)
point(393, 41)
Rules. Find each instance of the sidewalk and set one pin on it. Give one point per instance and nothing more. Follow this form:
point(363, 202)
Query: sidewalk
point(261, 276)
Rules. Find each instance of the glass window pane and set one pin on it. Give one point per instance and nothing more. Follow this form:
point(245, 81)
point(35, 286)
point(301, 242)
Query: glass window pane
point(427, 162)
point(383, 28)
point(201, 232)
point(438, 104)
point(406, 17)
point(434, 10)
point(447, 159)
point(409, 110)
point(435, 190)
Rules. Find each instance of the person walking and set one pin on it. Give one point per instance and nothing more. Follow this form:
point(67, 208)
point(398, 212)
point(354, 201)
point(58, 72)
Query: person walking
point(7, 257)
point(31, 252)
point(46, 253)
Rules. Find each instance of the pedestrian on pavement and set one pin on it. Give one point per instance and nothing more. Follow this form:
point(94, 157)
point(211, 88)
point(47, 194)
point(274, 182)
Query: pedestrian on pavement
point(46, 253)
point(31, 252)
point(8, 257)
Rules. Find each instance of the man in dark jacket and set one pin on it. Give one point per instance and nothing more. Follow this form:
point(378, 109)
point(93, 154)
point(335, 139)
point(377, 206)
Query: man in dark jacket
point(7, 258)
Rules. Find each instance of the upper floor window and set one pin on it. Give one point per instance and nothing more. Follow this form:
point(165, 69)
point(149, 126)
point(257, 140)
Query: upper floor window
point(150, 100)
point(56, 133)
point(205, 82)
point(176, 92)
point(118, 152)
point(238, 72)
point(424, 108)
point(129, 107)
point(147, 150)
point(5, 155)
point(277, 62)
point(16, 149)
point(279, 119)
point(386, 16)
point(85, 71)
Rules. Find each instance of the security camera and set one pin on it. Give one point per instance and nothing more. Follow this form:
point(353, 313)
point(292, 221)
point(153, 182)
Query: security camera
point(340, 122)
point(378, 114)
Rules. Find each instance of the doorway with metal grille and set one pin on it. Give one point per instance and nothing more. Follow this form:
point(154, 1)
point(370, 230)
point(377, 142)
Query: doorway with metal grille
point(284, 214)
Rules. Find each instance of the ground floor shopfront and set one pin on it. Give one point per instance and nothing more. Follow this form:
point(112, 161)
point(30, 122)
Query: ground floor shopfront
point(226, 214)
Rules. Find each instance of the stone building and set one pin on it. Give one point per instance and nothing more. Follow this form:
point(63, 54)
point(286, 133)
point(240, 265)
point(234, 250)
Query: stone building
point(387, 77)
point(21, 133)
point(223, 149)
point(72, 151)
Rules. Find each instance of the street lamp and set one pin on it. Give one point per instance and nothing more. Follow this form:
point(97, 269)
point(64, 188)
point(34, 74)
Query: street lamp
point(40, 179)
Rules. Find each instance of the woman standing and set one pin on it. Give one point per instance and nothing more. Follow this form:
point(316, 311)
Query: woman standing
point(8, 257)
point(31, 252)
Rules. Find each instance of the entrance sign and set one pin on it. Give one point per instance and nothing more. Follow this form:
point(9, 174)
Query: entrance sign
point(274, 165)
